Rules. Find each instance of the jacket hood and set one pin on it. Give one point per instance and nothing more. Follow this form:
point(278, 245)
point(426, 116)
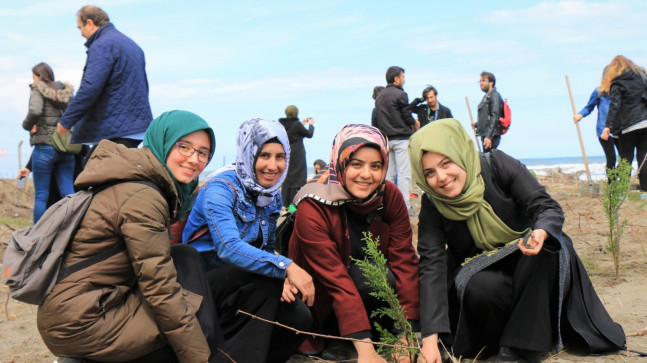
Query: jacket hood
point(113, 162)
point(61, 93)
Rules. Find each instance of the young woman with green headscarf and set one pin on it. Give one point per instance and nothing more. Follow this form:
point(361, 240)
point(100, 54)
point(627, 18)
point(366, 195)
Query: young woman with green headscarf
point(495, 267)
point(147, 302)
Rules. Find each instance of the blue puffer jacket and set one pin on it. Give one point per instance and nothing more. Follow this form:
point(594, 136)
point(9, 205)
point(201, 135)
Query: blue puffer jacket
point(113, 98)
point(234, 223)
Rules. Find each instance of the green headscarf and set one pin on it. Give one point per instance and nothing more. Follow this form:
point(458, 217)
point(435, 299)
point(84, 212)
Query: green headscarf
point(161, 136)
point(447, 137)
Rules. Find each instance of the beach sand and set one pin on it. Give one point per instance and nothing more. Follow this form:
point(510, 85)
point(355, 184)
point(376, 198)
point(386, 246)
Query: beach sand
point(624, 298)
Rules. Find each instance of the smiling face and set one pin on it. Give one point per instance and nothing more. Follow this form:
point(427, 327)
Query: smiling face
point(187, 168)
point(270, 164)
point(443, 175)
point(364, 172)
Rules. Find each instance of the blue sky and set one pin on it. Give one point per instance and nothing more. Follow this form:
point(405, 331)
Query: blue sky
point(230, 61)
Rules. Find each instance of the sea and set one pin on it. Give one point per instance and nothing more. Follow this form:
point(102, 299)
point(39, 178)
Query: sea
point(541, 166)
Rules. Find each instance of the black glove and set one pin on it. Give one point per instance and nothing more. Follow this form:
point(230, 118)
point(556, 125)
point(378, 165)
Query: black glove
point(416, 101)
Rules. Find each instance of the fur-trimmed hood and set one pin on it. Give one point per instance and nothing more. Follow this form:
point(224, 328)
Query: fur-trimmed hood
point(60, 93)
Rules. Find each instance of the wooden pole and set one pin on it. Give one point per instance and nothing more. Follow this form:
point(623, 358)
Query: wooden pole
point(473, 129)
point(579, 133)
point(19, 155)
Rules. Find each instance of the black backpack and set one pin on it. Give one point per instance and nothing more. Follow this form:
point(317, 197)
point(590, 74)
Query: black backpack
point(284, 232)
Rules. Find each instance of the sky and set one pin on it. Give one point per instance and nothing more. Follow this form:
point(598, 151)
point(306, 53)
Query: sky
point(229, 61)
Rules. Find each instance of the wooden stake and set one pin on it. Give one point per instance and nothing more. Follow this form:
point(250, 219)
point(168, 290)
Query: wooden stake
point(579, 133)
point(473, 128)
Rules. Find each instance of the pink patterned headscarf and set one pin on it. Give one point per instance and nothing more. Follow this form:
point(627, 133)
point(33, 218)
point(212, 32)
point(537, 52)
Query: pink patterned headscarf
point(327, 186)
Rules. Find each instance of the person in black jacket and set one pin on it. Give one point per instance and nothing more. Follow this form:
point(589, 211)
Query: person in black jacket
point(298, 170)
point(431, 110)
point(496, 270)
point(490, 110)
point(626, 84)
point(392, 116)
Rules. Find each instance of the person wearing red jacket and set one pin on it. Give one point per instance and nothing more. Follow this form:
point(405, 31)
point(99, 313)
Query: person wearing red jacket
point(348, 197)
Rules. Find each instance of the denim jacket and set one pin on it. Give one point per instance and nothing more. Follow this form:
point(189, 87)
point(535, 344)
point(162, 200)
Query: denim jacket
point(602, 101)
point(234, 222)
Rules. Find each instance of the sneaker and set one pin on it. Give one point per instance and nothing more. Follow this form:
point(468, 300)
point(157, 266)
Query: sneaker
point(510, 355)
point(413, 195)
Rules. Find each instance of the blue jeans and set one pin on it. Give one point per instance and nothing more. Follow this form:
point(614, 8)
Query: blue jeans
point(45, 162)
point(399, 169)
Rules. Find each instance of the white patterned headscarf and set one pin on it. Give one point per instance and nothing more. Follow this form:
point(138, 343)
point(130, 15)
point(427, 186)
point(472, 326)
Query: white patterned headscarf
point(252, 135)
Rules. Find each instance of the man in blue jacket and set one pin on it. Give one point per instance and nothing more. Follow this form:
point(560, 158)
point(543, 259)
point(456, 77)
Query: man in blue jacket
point(112, 102)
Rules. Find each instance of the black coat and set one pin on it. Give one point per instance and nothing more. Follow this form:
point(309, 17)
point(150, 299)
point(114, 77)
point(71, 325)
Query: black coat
point(297, 171)
point(628, 106)
point(392, 114)
point(490, 110)
point(521, 202)
point(422, 110)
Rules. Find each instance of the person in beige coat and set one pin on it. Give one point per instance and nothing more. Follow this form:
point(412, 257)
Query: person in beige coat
point(147, 302)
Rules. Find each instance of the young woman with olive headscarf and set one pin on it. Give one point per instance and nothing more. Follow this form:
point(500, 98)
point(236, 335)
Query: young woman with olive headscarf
point(496, 270)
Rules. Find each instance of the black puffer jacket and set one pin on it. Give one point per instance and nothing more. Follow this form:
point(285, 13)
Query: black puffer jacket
point(628, 105)
point(46, 106)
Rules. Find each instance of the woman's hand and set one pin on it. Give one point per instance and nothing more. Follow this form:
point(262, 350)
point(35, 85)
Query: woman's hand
point(605, 133)
point(577, 117)
point(430, 351)
point(33, 130)
point(61, 130)
point(303, 282)
point(23, 173)
point(535, 242)
point(289, 292)
point(366, 353)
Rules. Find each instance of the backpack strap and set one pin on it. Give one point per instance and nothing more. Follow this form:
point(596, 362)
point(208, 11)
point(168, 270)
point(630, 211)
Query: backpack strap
point(65, 270)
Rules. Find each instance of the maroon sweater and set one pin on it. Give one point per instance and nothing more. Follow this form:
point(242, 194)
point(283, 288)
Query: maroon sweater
point(320, 244)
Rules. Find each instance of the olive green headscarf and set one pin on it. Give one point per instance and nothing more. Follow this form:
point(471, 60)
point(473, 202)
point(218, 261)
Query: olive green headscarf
point(447, 137)
point(161, 136)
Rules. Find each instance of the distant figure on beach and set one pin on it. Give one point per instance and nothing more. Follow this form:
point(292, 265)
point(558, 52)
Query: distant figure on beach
point(376, 92)
point(298, 170)
point(148, 301)
point(601, 100)
point(490, 110)
point(112, 102)
point(47, 102)
point(318, 165)
point(430, 109)
point(497, 272)
point(393, 118)
point(626, 84)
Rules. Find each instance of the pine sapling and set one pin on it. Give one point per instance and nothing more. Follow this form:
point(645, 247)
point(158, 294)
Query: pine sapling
point(374, 268)
point(613, 196)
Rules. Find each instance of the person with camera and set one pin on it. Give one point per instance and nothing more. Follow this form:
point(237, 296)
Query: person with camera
point(298, 171)
point(431, 109)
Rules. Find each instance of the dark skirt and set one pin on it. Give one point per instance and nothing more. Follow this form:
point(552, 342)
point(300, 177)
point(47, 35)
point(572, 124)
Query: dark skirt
point(529, 302)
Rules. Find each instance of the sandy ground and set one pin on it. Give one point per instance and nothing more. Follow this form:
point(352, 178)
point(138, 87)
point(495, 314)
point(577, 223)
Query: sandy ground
point(625, 298)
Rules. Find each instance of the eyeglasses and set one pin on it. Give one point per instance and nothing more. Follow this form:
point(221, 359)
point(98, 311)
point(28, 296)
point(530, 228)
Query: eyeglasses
point(188, 151)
